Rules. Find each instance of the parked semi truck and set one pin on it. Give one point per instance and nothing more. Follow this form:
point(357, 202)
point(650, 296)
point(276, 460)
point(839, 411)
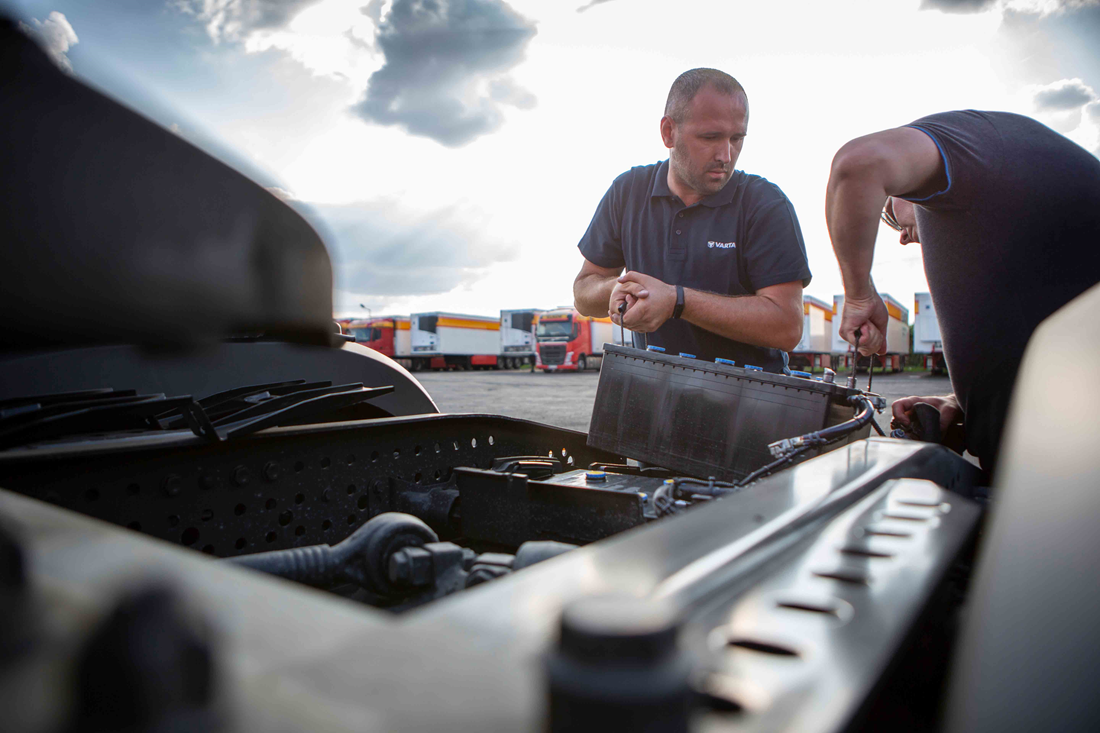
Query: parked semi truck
point(511, 345)
point(390, 336)
point(569, 341)
point(897, 336)
point(517, 338)
point(926, 334)
point(454, 341)
point(815, 349)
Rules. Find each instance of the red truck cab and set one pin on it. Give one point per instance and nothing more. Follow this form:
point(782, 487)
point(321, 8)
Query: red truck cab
point(388, 336)
point(569, 341)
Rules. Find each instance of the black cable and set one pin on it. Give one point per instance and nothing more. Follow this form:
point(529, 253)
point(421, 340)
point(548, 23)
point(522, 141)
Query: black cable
point(773, 466)
point(713, 487)
point(870, 372)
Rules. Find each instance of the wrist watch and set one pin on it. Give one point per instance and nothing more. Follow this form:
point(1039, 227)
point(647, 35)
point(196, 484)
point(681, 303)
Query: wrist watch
point(679, 309)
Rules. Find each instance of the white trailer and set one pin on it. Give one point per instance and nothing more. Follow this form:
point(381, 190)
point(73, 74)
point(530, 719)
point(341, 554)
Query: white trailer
point(814, 350)
point(454, 341)
point(897, 335)
point(517, 338)
point(926, 333)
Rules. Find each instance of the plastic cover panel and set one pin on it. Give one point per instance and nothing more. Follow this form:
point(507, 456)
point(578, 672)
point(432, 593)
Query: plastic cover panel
point(1028, 654)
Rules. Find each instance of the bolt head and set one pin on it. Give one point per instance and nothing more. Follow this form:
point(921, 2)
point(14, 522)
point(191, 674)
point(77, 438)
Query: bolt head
point(411, 566)
point(399, 570)
point(171, 485)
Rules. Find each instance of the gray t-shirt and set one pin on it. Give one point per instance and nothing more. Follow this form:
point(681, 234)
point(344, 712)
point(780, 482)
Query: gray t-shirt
point(1013, 237)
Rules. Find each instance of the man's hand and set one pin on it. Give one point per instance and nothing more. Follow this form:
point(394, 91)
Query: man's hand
point(649, 302)
point(950, 412)
point(869, 315)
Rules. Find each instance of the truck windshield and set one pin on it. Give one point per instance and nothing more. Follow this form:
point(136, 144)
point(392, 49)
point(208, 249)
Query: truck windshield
point(364, 335)
point(555, 329)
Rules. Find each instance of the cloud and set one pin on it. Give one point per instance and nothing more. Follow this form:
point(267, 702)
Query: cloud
point(1030, 7)
point(958, 6)
point(236, 19)
point(1063, 96)
point(506, 91)
point(56, 36)
point(590, 4)
point(445, 72)
point(331, 38)
point(1092, 114)
point(373, 10)
point(383, 248)
point(1062, 105)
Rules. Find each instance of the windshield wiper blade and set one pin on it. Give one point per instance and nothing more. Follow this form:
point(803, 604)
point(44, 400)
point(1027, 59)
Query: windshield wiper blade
point(224, 403)
point(17, 405)
point(227, 414)
point(290, 409)
point(90, 416)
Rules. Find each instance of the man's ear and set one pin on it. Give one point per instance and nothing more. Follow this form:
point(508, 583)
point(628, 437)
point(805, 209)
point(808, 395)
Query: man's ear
point(666, 131)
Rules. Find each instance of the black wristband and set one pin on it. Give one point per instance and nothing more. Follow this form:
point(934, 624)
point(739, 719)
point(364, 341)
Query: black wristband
point(679, 309)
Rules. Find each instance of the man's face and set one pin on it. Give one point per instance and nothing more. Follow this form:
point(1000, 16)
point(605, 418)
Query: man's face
point(906, 215)
point(704, 146)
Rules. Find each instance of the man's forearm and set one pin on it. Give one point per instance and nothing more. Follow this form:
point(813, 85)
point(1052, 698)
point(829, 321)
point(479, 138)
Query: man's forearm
point(592, 293)
point(750, 319)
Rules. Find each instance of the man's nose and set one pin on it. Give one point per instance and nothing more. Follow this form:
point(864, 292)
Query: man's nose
point(724, 154)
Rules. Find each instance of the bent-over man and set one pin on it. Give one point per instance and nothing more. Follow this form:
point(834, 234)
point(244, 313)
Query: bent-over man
point(1007, 213)
point(714, 258)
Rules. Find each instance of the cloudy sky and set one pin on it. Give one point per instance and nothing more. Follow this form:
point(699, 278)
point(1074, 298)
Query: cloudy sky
point(452, 152)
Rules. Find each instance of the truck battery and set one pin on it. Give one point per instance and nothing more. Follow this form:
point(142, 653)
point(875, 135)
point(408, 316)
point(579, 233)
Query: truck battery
point(706, 419)
point(577, 506)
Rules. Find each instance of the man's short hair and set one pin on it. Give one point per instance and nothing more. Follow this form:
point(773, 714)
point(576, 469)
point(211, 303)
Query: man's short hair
point(688, 84)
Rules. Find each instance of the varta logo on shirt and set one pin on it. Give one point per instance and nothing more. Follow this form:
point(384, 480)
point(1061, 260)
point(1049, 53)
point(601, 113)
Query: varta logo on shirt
point(721, 245)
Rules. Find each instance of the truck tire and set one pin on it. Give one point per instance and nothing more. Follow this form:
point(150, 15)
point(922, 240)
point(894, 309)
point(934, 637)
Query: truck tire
point(582, 364)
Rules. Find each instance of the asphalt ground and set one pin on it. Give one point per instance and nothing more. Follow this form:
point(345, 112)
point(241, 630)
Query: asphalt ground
point(565, 399)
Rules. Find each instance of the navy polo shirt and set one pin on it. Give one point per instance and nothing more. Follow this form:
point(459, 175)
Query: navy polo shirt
point(734, 242)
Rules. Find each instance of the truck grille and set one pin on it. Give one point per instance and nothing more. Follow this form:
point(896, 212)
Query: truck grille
point(552, 354)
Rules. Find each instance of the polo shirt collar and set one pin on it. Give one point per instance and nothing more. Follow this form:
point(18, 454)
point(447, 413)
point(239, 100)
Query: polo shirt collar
point(723, 197)
point(660, 182)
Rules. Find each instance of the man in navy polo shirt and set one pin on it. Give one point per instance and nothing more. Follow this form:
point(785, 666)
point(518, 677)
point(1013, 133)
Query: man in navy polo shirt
point(1007, 212)
point(714, 258)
